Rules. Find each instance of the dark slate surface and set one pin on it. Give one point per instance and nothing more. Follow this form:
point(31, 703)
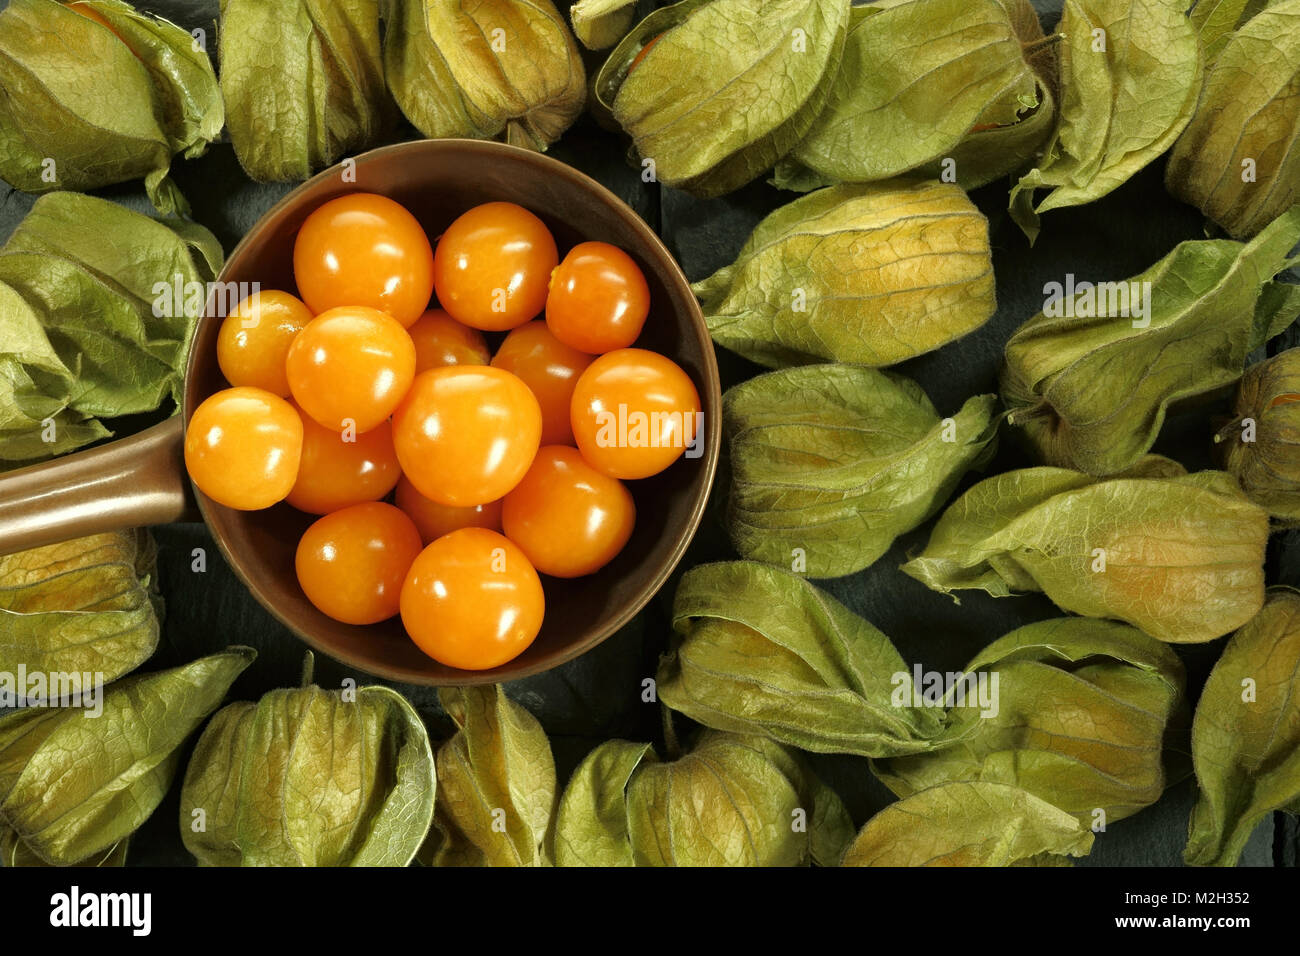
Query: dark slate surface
point(599, 695)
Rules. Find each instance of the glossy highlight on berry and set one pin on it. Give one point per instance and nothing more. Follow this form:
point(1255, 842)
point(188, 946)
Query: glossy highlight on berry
point(550, 369)
point(363, 249)
point(493, 265)
point(352, 562)
point(634, 413)
point(472, 600)
point(242, 447)
point(255, 337)
point(350, 367)
point(466, 434)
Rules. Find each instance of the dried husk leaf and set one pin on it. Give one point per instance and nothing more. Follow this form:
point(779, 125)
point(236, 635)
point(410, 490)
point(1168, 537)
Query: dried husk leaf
point(73, 786)
point(1262, 446)
point(1238, 161)
point(927, 80)
point(303, 82)
point(599, 24)
point(497, 789)
point(591, 828)
point(872, 273)
point(87, 606)
point(968, 824)
point(484, 68)
point(995, 148)
point(104, 101)
point(1215, 21)
point(1130, 75)
point(1079, 718)
point(84, 332)
point(731, 801)
point(833, 462)
point(1178, 556)
point(725, 87)
point(35, 390)
point(187, 95)
point(13, 852)
point(1091, 391)
point(1246, 734)
point(309, 777)
point(763, 651)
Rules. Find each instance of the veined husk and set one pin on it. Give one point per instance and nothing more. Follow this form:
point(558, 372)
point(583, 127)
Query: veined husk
point(830, 463)
point(1246, 734)
point(1130, 75)
point(14, 852)
point(732, 800)
point(74, 786)
point(85, 104)
point(1078, 718)
point(496, 784)
point(309, 777)
point(872, 273)
point(725, 88)
point(1092, 391)
point(1215, 20)
point(303, 82)
point(764, 651)
point(969, 824)
point(1262, 446)
point(1238, 161)
point(85, 332)
point(483, 68)
point(958, 88)
point(599, 24)
point(1178, 556)
point(85, 606)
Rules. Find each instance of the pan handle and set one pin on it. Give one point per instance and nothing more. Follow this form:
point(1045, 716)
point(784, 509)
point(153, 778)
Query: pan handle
point(128, 483)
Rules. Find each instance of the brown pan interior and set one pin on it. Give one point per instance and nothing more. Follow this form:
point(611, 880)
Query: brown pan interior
point(437, 180)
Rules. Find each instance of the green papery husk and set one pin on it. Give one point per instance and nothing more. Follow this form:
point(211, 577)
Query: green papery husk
point(763, 651)
point(1261, 447)
point(1238, 161)
point(14, 852)
point(969, 824)
point(1074, 710)
point(1130, 75)
point(726, 87)
point(309, 777)
point(90, 325)
point(87, 606)
point(303, 82)
point(1215, 21)
point(732, 800)
point(72, 785)
point(88, 104)
point(830, 463)
point(484, 68)
point(1246, 734)
point(1091, 390)
point(497, 788)
point(873, 273)
point(599, 24)
point(1178, 556)
point(951, 88)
